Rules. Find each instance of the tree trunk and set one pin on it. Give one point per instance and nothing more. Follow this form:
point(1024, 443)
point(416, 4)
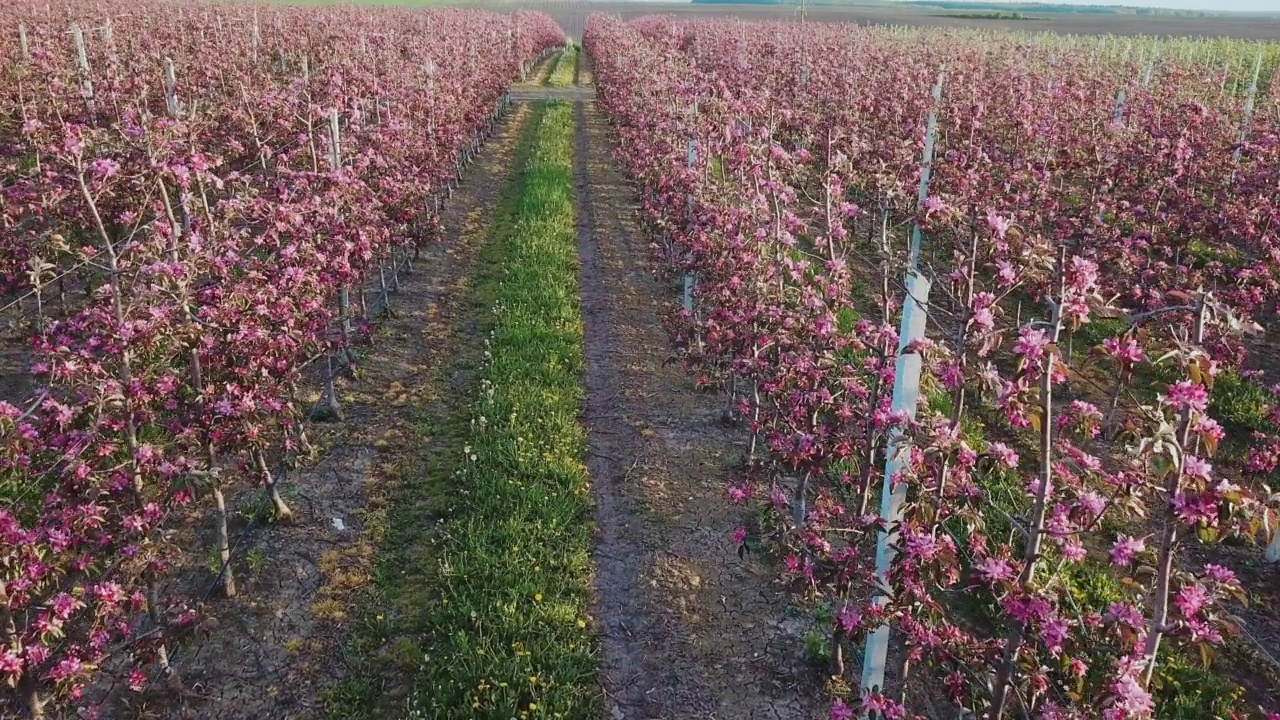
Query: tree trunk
point(34, 700)
point(1169, 536)
point(1035, 539)
point(283, 513)
point(224, 545)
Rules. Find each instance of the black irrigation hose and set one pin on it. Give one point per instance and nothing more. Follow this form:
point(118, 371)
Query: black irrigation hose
point(222, 571)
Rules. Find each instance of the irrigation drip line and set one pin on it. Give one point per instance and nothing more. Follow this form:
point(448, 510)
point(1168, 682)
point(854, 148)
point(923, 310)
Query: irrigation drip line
point(222, 570)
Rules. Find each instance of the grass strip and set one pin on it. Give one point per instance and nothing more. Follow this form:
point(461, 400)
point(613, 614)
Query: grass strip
point(387, 635)
point(507, 636)
point(566, 66)
point(550, 69)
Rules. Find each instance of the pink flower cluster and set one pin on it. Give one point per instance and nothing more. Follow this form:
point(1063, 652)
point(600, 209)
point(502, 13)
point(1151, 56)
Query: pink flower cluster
point(1044, 220)
point(180, 243)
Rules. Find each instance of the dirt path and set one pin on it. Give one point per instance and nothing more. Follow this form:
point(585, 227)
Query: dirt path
point(278, 647)
point(575, 93)
point(689, 629)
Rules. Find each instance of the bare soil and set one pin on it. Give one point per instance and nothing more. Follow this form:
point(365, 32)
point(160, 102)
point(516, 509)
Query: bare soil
point(16, 382)
point(1253, 658)
point(689, 630)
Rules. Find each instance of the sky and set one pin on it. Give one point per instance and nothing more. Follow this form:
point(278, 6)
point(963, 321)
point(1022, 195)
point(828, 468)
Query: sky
point(1234, 5)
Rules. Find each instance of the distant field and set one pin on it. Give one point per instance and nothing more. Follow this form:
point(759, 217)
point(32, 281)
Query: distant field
point(572, 15)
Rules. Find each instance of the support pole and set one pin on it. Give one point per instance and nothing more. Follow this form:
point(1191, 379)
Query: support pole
point(1249, 101)
point(691, 157)
point(906, 393)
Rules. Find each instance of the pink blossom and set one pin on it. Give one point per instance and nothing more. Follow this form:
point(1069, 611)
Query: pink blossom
point(998, 223)
point(11, 664)
point(1125, 614)
point(108, 592)
point(883, 707)
point(951, 375)
point(1219, 574)
point(1054, 633)
point(849, 619)
point(1202, 631)
point(1003, 455)
point(104, 168)
point(1128, 699)
point(1031, 344)
point(63, 605)
point(778, 498)
point(1195, 467)
point(1196, 509)
point(1124, 348)
point(37, 654)
point(137, 680)
point(994, 570)
point(1091, 504)
point(919, 545)
point(1082, 274)
point(1053, 711)
point(1073, 551)
point(1185, 394)
point(1191, 599)
point(1006, 276)
point(1125, 548)
point(66, 668)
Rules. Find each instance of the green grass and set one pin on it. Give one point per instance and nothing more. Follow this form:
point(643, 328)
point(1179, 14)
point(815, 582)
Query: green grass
point(565, 67)
point(387, 641)
point(1185, 690)
point(549, 68)
point(1241, 405)
point(506, 636)
point(483, 565)
point(992, 15)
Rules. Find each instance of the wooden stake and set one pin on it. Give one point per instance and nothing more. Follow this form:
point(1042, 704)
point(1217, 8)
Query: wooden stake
point(82, 62)
point(335, 146)
point(1248, 106)
point(170, 88)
